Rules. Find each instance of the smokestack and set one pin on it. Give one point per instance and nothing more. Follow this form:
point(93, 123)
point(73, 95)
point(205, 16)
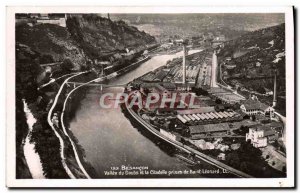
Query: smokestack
point(275, 89)
point(213, 80)
point(184, 64)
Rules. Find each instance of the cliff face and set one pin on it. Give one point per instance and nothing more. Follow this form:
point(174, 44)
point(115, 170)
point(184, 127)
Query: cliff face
point(100, 37)
point(85, 37)
point(53, 42)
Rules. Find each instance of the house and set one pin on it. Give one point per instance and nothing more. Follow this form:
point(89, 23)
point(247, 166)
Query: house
point(59, 19)
point(254, 107)
point(178, 41)
point(268, 92)
point(221, 156)
point(34, 15)
point(276, 126)
point(228, 58)
point(261, 135)
point(257, 64)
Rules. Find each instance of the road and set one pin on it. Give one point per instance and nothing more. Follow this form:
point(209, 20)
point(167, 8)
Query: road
point(62, 145)
point(52, 80)
point(61, 141)
point(65, 130)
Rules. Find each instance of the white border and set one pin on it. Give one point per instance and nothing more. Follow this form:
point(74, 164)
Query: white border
point(203, 182)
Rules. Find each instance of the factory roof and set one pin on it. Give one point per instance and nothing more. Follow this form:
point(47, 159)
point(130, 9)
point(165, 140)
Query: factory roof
point(160, 75)
point(254, 104)
point(169, 85)
point(196, 129)
point(195, 111)
point(276, 124)
point(267, 130)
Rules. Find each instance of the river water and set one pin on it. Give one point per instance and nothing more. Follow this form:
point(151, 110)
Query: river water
point(110, 139)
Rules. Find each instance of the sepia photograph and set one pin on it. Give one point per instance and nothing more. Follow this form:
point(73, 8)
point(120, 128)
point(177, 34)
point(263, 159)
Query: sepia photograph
point(150, 97)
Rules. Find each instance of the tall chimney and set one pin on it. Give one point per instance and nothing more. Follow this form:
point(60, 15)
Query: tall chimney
point(184, 64)
point(275, 89)
point(213, 80)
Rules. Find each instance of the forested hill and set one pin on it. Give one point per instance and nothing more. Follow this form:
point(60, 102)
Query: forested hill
point(100, 37)
point(251, 59)
point(86, 37)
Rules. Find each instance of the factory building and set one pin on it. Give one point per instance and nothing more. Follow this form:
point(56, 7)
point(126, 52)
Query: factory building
point(254, 107)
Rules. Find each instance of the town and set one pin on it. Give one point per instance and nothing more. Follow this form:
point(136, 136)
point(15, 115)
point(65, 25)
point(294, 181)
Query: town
point(172, 93)
point(222, 120)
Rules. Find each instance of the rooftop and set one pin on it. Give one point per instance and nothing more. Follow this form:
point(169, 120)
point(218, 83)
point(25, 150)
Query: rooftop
point(266, 129)
point(209, 128)
point(254, 104)
point(195, 111)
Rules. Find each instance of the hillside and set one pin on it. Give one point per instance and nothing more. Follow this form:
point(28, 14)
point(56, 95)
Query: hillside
point(86, 37)
point(100, 37)
point(250, 61)
point(84, 40)
point(229, 24)
point(53, 42)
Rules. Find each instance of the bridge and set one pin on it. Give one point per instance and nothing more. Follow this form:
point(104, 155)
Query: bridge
point(101, 85)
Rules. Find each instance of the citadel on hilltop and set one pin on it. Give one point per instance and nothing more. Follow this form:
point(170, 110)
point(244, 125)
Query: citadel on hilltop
point(42, 18)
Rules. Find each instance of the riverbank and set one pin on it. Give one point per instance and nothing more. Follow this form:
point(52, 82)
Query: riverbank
point(99, 135)
point(78, 151)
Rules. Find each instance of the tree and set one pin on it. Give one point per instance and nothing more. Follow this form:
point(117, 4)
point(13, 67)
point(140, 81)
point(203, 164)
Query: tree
point(46, 58)
point(233, 160)
point(199, 91)
point(218, 101)
point(284, 169)
point(273, 163)
point(245, 167)
point(66, 65)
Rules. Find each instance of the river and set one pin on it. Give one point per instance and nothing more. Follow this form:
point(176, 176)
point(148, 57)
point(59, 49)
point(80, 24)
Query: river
point(110, 139)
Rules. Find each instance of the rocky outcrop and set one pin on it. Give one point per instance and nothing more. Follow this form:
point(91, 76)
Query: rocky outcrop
point(52, 41)
point(86, 37)
point(100, 37)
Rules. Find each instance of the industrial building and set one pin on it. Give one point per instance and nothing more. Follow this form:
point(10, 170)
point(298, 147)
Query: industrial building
point(261, 135)
point(254, 107)
point(206, 116)
point(226, 96)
